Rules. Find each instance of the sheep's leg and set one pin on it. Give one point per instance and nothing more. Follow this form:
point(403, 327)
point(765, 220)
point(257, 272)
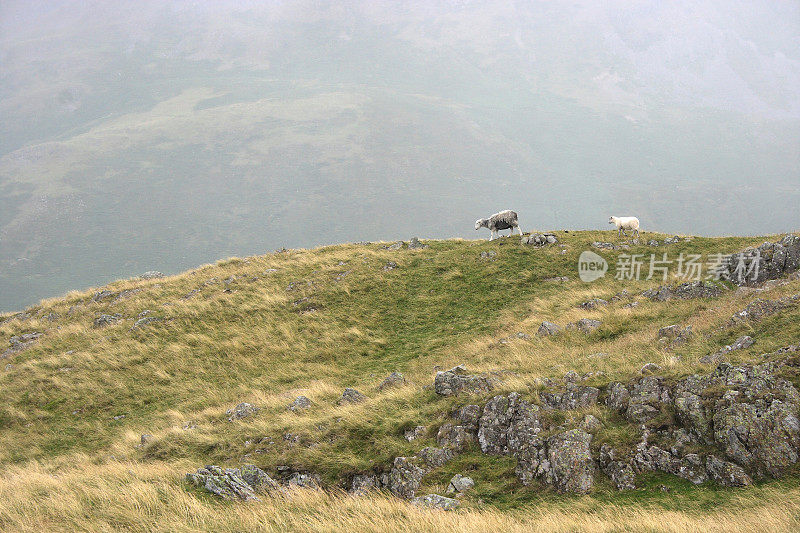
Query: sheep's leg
point(519, 229)
point(492, 235)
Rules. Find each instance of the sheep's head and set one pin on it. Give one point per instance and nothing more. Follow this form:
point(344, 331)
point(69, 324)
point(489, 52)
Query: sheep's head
point(611, 220)
point(482, 223)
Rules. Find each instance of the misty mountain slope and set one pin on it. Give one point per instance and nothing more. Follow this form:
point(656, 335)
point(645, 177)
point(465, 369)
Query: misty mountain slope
point(161, 136)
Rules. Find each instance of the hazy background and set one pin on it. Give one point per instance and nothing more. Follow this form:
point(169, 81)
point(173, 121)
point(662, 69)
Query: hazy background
point(165, 134)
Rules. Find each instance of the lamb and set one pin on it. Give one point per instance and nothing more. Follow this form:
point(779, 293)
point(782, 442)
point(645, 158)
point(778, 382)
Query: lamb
point(625, 223)
point(499, 221)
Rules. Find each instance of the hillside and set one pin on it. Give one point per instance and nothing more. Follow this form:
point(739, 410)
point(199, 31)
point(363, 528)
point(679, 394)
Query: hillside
point(170, 358)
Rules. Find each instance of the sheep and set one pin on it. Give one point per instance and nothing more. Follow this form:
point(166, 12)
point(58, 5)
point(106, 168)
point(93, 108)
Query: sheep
point(623, 223)
point(499, 221)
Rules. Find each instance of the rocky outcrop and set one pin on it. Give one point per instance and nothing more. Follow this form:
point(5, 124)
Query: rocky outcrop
point(19, 343)
point(547, 329)
point(233, 483)
point(395, 379)
point(460, 484)
point(585, 325)
point(300, 403)
point(568, 464)
point(758, 309)
point(684, 291)
point(405, 477)
point(539, 239)
point(243, 410)
point(350, 396)
point(435, 501)
point(771, 260)
point(740, 344)
point(458, 381)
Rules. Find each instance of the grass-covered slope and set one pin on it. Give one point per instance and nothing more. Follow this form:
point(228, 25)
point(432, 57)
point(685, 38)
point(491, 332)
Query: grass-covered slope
point(266, 329)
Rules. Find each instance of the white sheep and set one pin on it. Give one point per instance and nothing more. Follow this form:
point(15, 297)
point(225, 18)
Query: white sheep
point(625, 223)
point(499, 221)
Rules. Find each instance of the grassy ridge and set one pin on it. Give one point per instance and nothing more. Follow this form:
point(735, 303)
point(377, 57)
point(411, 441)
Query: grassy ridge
point(266, 329)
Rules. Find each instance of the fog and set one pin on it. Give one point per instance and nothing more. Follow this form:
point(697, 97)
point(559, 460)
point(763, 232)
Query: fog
point(162, 135)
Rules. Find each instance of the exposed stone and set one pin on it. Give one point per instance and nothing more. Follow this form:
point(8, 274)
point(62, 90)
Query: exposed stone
point(573, 397)
point(774, 260)
point(684, 291)
point(469, 415)
point(620, 471)
point(414, 244)
point(435, 501)
point(571, 468)
point(414, 433)
point(303, 480)
point(152, 274)
point(364, 483)
point(299, 403)
point(547, 329)
point(457, 381)
point(405, 477)
point(726, 473)
point(759, 309)
point(435, 457)
point(243, 410)
point(102, 295)
point(140, 323)
point(233, 483)
point(740, 344)
point(488, 255)
point(650, 368)
point(106, 320)
point(586, 325)
point(459, 483)
point(395, 379)
point(350, 396)
point(594, 303)
point(455, 437)
point(390, 265)
point(590, 424)
point(396, 246)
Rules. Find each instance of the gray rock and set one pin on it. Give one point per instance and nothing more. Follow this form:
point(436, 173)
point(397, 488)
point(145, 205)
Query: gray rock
point(726, 473)
point(140, 323)
point(684, 291)
point(390, 265)
point(303, 480)
point(102, 295)
point(759, 309)
point(740, 344)
point(649, 369)
point(300, 403)
point(436, 457)
point(364, 483)
point(456, 381)
point(395, 379)
point(415, 433)
point(144, 439)
point(590, 424)
point(604, 245)
point(571, 467)
point(775, 260)
point(469, 415)
point(585, 325)
point(106, 320)
point(414, 244)
point(455, 437)
point(405, 477)
point(230, 483)
point(573, 397)
point(547, 329)
point(243, 410)
point(459, 483)
point(152, 274)
point(488, 255)
point(594, 303)
point(351, 396)
point(434, 501)
point(396, 246)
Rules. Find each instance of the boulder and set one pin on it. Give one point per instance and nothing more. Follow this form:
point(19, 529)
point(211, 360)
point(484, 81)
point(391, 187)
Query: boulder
point(726, 473)
point(435, 501)
point(620, 471)
point(585, 325)
point(395, 379)
point(233, 483)
point(243, 410)
point(571, 467)
point(106, 320)
point(455, 437)
point(151, 274)
point(684, 291)
point(457, 380)
point(459, 483)
point(435, 457)
point(740, 344)
point(303, 480)
point(414, 244)
point(547, 329)
point(299, 403)
point(758, 309)
point(364, 483)
point(594, 303)
point(350, 396)
point(572, 397)
point(414, 433)
point(405, 477)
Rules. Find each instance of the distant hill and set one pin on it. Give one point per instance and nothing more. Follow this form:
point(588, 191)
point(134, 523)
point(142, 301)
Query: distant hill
point(154, 135)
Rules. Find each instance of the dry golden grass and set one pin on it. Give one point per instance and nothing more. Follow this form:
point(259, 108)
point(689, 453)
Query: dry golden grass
point(68, 465)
